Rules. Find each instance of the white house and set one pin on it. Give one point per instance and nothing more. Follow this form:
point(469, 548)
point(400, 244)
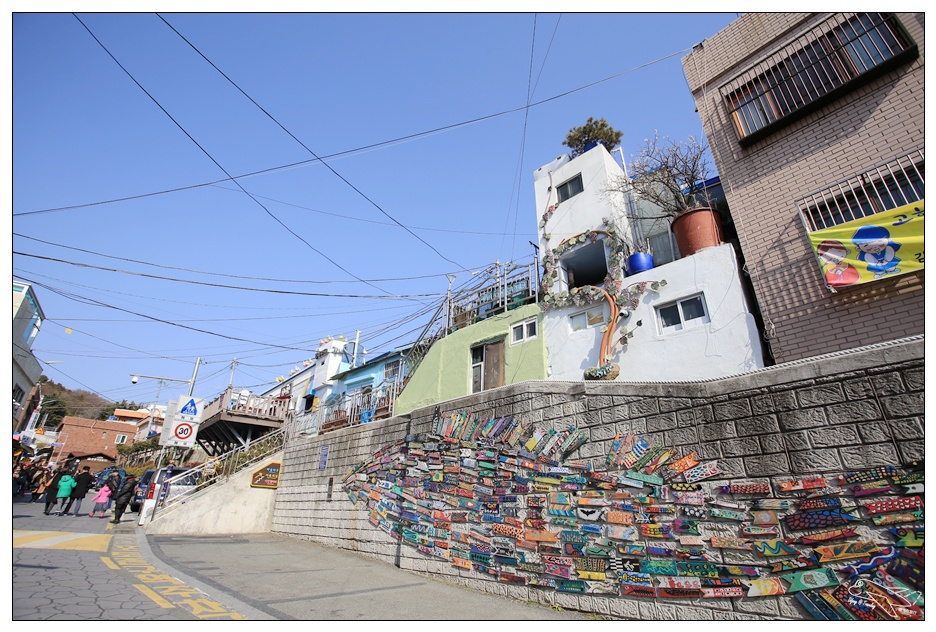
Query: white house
point(686, 319)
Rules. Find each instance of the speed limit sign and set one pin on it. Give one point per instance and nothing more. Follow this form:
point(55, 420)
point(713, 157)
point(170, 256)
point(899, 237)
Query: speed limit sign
point(183, 431)
point(181, 426)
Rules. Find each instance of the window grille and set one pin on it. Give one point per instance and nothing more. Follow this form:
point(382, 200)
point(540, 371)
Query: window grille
point(886, 187)
point(812, 68)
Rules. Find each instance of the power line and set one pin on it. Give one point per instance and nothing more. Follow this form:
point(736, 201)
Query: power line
point(222, 274)
point(399, 139)
point(217, 164)
point(228, 287)
point(304, 146)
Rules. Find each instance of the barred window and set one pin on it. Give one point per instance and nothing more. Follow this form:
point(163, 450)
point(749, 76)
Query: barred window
point(888, 186)
point(812, 68)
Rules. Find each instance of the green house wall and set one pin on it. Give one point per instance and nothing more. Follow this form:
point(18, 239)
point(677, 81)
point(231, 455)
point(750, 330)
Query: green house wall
point(445, 372)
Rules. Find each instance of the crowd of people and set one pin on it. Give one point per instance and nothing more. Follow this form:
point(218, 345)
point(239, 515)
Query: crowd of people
point(64, 488)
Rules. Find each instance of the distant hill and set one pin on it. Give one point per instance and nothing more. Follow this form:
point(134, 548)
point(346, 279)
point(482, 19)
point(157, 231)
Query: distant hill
point(59, 401)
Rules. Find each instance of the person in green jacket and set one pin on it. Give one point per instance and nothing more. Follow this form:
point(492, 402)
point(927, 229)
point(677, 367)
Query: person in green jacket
point(66, 485)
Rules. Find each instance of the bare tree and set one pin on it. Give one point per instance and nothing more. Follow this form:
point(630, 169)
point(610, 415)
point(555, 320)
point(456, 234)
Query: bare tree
point(670, 174)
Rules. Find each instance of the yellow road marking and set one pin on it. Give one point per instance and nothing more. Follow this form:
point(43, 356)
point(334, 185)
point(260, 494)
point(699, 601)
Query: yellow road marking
point(62, 540)
point(152, 594)
point(109, 563)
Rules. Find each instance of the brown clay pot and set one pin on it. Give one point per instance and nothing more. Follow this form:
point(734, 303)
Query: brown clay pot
point(696, 229)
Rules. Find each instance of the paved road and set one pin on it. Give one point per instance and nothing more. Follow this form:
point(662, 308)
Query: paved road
point(87, 569)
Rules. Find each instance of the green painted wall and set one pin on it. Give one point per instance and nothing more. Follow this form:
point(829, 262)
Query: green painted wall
point(445, 372)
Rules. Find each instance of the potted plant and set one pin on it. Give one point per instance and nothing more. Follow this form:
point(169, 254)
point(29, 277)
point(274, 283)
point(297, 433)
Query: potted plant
point(671, 175)
point(584, 137)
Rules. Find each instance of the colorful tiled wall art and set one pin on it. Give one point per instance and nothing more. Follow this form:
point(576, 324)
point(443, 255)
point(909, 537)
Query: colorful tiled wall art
point(500, 497)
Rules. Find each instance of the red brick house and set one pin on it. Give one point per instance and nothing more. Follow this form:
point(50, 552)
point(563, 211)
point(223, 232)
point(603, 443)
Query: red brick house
point(92, 439)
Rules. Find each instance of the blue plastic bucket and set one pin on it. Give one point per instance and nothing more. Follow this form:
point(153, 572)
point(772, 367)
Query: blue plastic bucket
point(639, 262)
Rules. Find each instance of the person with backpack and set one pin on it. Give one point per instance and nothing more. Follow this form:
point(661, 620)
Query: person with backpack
point(124, 496)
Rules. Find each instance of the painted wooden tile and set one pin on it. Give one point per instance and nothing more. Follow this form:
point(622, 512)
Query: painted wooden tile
point(801, 484)
point(820, 503)
point(659, 567)
point(819, 519)
point(845, 551)
point(764, 517)
point(801, 563)
point(898, 518)
point(911, 537)
point(817, 613)
point(844, 613)
point(905, 479)
point(722, 592)
point(727, 514)
point(764, 587)
point(773, 548)
point(771, 503)
point(869, 489)
point(760, 532)
point(813, 578)
point(741, 544)
point(825, 536)
point(890, 505)
point(702, 472)
point(745, 488)
point(678, 467)
point(622, 532)
point(697, 569)
point(874, 474)
point(685, 487)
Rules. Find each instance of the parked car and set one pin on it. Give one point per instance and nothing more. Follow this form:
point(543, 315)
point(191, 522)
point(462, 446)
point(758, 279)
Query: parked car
point(101, 476)
point(183, 482)
point(140, 492)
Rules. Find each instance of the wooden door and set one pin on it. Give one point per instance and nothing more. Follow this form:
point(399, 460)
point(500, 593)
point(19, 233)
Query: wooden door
point(494, 364)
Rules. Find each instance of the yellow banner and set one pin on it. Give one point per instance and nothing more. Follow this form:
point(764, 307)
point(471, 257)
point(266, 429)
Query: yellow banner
point(875, 247)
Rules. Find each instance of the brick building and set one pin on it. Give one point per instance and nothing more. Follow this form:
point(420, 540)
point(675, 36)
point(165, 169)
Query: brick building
point(86, 438)
point(816, 123)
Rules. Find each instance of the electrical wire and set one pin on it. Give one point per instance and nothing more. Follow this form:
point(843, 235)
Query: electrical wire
point(217, 164)
point(304, 146)
point(232, 276)
point(229, 287)
point(410, 137)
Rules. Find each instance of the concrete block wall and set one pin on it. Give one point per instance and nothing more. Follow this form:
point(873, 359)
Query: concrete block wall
point(830, 415)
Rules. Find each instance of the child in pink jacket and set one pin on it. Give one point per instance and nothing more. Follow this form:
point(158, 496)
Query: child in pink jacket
point(100, 501)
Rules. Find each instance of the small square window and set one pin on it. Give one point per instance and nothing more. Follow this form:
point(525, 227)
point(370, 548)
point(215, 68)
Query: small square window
point(687, 312)
point(594, 317)
point(521, 332)
point(569, 188)
point(121, 439)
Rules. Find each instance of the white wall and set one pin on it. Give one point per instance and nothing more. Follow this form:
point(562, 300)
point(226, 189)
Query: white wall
point(229, 507)
point(726, 345)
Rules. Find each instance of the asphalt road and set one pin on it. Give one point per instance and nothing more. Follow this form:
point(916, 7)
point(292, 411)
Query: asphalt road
point(87, 569)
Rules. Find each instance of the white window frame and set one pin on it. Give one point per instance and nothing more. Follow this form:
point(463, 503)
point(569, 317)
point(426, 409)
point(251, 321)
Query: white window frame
point(524, 328)
point(121, 439)
point(589, 315)
point(562, 190)
point(683, 323)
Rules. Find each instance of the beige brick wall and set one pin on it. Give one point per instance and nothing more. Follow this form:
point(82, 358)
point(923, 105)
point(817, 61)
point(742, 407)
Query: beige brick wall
point(860, 130)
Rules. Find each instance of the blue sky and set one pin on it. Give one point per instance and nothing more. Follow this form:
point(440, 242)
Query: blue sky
point(428, 156)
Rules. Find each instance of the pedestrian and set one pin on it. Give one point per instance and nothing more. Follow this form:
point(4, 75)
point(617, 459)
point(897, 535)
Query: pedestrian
point(83, 483)
point(41, 483)
point(52, 490)
point(113, 481)
point(65, 487)
point(124, 496)
point(101, 500)
point(19, 481)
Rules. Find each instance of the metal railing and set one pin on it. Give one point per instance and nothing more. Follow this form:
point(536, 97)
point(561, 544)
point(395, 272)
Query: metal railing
point(216, 470)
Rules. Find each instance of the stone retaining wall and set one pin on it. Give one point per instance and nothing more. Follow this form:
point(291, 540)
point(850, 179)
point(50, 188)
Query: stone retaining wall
point(839, 413)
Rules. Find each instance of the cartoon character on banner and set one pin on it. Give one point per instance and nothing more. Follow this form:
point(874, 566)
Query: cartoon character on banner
point(877, 250)
point(837, 271)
